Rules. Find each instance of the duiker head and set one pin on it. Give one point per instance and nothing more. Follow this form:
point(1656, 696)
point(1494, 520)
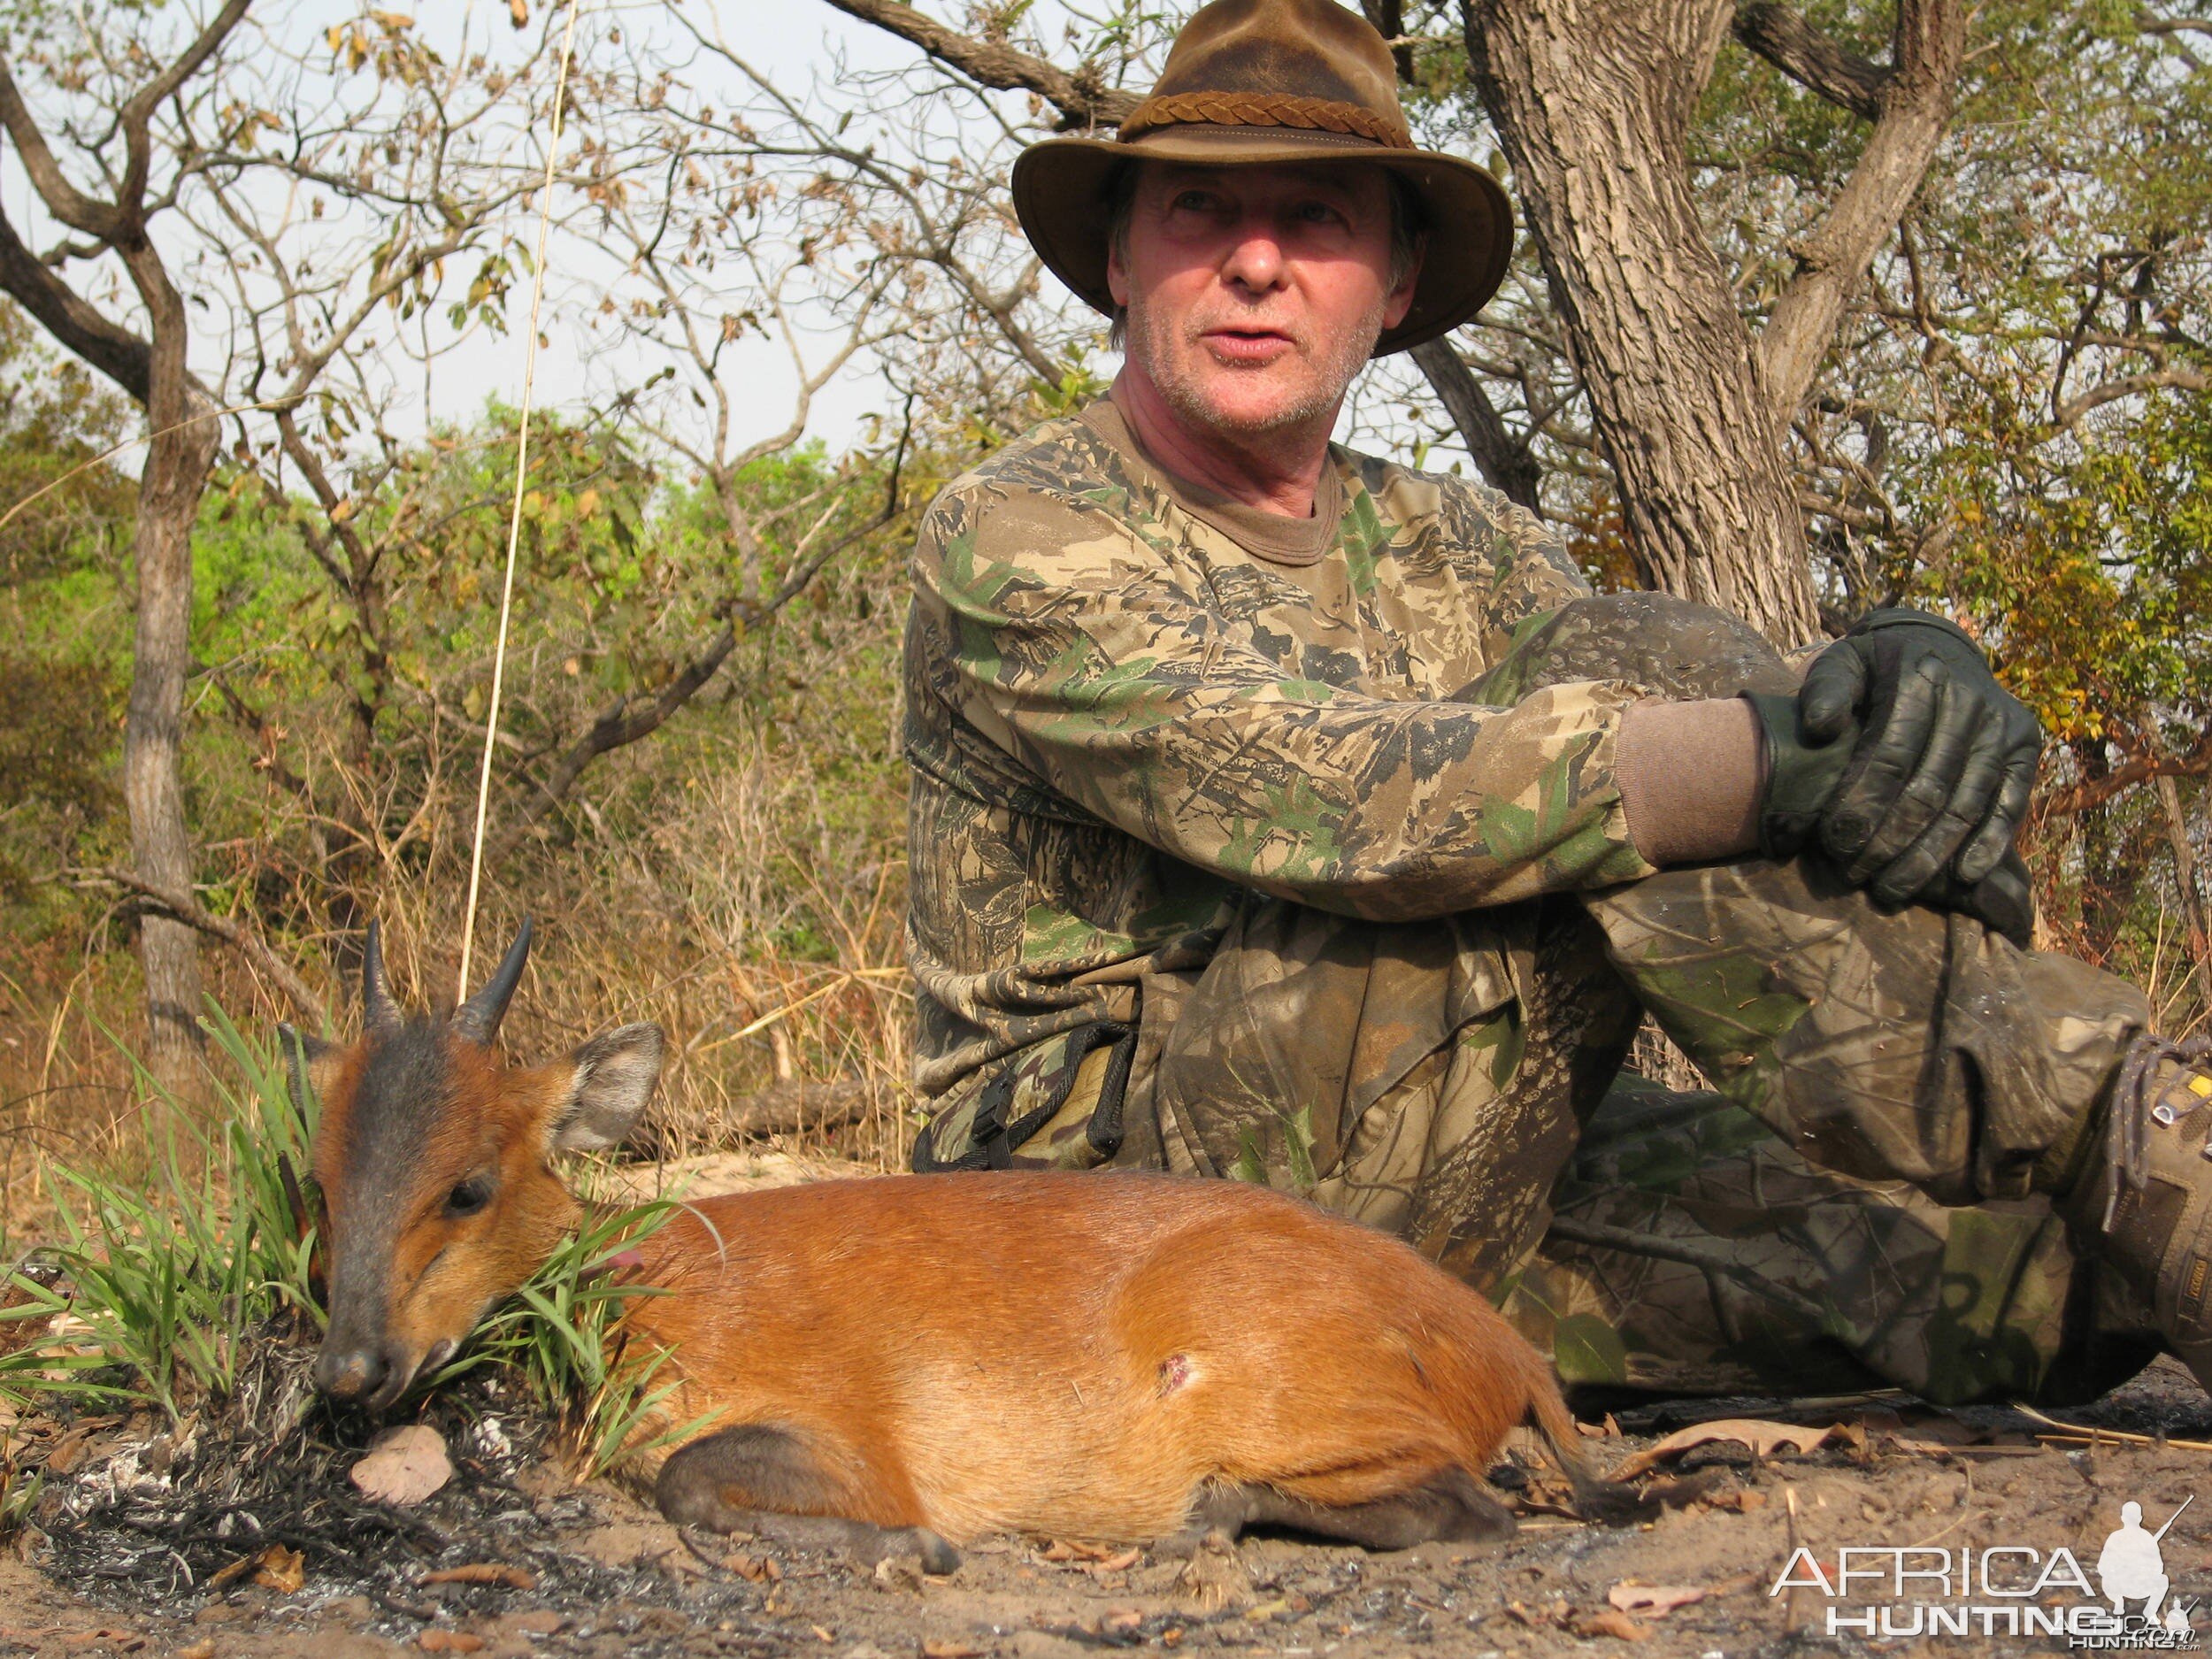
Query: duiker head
point(434, 1158)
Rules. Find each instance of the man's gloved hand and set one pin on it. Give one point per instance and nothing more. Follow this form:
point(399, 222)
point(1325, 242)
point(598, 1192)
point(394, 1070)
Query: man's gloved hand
point(2003, 900)
point(1803, 773)
point(1940, 769)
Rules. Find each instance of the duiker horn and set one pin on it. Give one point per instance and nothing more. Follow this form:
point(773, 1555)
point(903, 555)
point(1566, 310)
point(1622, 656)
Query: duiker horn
point(379, 1014)
point(1241, 1357)
point(478, 1018)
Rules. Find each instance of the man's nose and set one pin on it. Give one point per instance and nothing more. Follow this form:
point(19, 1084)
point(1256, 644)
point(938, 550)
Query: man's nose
point(1255, 260)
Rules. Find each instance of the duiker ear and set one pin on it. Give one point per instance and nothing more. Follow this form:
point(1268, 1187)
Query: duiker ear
point(614, 1077)
point(312, 1064)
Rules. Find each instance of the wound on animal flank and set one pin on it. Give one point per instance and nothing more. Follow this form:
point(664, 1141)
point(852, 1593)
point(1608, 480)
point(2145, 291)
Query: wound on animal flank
point(802, 1320)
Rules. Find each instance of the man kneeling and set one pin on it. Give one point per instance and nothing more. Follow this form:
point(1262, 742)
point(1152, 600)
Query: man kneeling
point(1283, 814)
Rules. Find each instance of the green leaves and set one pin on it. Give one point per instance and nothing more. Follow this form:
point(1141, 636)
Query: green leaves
point(566, 1332)
point(2097, 578)
point(165, 1281)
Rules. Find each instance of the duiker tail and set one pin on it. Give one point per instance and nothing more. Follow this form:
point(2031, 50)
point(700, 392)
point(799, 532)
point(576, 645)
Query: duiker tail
point(1608, 1502)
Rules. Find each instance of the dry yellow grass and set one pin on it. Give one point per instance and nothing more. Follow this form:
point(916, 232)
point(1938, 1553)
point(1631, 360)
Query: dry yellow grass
point(758, 919)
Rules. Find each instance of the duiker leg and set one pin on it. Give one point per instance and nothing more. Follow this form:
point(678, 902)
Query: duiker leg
point(763, 1479)
point(1450, 1504)
point(1447, 1504)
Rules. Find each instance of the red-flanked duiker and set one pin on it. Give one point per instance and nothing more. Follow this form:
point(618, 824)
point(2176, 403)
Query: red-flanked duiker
point(913, 1362)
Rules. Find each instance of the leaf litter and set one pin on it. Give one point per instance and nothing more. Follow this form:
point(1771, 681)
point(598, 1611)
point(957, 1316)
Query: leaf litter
point(135, 1547)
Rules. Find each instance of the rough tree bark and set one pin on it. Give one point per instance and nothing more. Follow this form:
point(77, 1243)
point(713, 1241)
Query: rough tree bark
point(153, 370)
point(2192, 918)
point(1593, 102)
point(178, 462)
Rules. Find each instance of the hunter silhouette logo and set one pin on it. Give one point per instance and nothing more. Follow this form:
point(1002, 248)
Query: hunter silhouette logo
point(2132, 1567)
point(2005, 1590)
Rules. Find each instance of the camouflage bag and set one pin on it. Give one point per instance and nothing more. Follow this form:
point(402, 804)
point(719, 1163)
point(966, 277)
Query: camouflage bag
point(1058, 1106)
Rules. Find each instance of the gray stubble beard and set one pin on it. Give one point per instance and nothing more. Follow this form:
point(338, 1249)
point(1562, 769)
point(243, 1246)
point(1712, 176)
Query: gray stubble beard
point(1340, 367)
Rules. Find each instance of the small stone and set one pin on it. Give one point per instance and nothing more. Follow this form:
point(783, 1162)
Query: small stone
point(900, 1572)
point(405, 1466)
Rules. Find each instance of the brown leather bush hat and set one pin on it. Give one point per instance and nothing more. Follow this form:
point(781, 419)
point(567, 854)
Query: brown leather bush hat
point(1274, 81)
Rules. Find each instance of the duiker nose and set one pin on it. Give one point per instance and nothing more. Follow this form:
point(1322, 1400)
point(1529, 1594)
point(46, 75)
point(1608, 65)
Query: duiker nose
point(350, 1373)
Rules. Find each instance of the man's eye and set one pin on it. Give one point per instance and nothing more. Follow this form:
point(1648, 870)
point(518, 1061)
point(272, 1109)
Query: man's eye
point(1195, 200)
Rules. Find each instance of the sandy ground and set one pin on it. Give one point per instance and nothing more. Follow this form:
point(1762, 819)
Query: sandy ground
point(258, 1547)
point(587, 1570)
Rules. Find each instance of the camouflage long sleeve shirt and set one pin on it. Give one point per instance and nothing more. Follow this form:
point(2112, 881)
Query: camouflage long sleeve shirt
point(1122, 723)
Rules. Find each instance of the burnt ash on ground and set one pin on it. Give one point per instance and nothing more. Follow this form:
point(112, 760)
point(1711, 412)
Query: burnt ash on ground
point(134, 1530)
point(139, 1518)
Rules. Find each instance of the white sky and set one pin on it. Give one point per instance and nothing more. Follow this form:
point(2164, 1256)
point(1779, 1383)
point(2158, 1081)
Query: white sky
point(800, 44)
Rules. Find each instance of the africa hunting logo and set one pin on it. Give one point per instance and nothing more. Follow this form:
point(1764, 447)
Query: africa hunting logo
point(2005, 1590)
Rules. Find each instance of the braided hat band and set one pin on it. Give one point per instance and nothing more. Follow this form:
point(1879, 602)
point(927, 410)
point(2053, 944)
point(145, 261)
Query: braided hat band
point(1264, 109)
point(1262, 83)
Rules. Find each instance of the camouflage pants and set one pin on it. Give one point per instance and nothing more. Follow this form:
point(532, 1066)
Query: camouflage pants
point(1864, 1198)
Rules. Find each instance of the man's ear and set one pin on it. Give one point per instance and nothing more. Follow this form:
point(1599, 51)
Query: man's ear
point(309, 1063)
point(1400, 300)
point(613, 1078)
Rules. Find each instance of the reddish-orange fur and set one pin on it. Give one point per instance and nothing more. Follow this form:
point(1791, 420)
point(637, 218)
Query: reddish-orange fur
point(1081, 1354)
point(985, 1352)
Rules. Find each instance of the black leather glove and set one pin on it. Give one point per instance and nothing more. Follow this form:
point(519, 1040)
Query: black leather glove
point(1803, 778)
point(1939, 776)
point(1803, 773)
point(2003, 900)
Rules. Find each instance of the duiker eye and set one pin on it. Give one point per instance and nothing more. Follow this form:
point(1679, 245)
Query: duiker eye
point(469, 1196)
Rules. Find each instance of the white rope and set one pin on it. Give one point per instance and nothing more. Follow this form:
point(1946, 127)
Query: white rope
point(514, 518)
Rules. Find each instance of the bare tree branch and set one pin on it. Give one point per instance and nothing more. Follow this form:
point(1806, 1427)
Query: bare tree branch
point(1784, 39)
point(122, 356)
point(1916, 102)
point(2194, 762)
point(1504, 462)
point(137, 115)
point(2148, 23)
point(184, 908)
point(102, 220)
point(1080, 102)
point(2176, 376)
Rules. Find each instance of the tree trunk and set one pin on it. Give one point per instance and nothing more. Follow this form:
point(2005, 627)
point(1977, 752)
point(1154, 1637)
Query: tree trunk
point(179, 460)
point(1506, 466)
point(1592, 100)
point(2193, 917)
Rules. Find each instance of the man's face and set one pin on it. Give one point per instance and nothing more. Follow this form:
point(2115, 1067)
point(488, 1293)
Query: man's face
point(1255, 293)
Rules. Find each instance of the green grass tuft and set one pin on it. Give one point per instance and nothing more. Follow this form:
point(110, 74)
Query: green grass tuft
point(563, 1332)
point(165, 1282)
point(161, 1287)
